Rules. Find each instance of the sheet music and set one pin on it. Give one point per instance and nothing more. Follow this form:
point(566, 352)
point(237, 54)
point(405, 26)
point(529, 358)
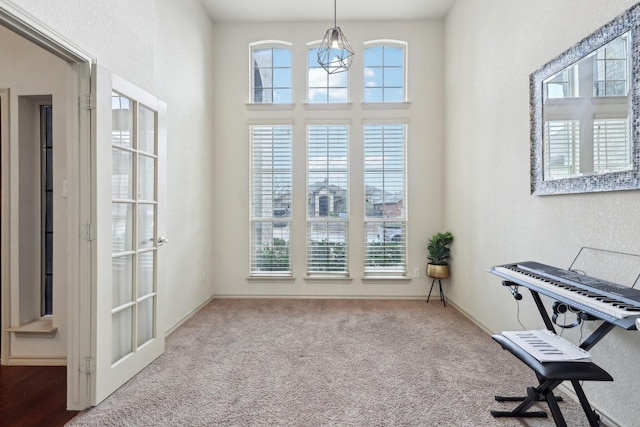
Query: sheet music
point(546, 346)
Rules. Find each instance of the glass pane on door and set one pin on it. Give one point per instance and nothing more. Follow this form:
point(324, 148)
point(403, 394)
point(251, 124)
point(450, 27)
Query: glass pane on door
point(121, 338)
point(122, 120)
point(122, 278)
point(146, 177)
point(122, 174)
point(145, 320)
point(121, 227)
point(147, 130)
point(134, 235)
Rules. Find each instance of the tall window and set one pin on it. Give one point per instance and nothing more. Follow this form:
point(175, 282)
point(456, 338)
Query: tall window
point(322, 86)
point(384, 76)
point(46, 159)
point(271, 179)
point(328, 200)
point(271, 73)
point(385, 199)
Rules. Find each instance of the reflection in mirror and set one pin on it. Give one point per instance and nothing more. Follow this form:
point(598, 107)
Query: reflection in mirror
point(586, 114)
point(582, 107)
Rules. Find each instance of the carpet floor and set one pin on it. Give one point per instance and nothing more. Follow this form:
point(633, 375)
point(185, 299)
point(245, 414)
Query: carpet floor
point(324, 363)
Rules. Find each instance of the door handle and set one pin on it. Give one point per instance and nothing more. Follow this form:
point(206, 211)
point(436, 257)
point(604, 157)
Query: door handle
point(162, 240)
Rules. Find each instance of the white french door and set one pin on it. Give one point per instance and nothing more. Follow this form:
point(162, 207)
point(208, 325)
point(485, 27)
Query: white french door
point(129, 161)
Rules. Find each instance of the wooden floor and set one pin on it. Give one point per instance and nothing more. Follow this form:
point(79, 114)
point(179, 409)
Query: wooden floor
point(33, 396)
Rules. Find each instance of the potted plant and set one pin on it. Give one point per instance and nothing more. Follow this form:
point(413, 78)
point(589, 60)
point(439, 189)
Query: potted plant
point(439, 254)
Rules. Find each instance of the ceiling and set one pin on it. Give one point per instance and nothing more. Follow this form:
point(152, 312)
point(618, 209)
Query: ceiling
point(322, 10)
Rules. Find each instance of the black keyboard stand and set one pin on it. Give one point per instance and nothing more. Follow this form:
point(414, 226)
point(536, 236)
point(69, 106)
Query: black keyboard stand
point(552, 374)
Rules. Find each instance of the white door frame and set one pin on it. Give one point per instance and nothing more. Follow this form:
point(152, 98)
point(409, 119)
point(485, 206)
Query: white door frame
point(80, 365)
point(5, 303)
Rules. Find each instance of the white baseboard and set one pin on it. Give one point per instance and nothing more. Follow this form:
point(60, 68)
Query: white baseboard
point(189, 316)
point(357, 297)
point(37, 361)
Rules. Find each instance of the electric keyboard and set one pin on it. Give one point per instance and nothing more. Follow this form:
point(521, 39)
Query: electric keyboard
point(614, 303)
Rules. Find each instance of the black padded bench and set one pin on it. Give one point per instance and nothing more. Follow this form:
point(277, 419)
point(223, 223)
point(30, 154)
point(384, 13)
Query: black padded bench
point(550, 375)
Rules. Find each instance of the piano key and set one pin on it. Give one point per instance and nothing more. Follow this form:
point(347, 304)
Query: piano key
point(609, 306)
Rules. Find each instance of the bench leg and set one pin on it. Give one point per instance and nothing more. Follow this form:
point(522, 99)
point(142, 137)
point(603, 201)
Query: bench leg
point(555, 410)
point(594, 419)
point(535, 394)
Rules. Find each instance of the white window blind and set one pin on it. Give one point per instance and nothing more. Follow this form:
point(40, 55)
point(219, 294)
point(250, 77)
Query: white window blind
point(271, 180)
point(385, 199)
point(611, 145)
point(328, 200)
point(561, 148)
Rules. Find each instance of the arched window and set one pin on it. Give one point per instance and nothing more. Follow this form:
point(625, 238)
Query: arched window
point(385, 71)
point(271, 72)
point(323, 87)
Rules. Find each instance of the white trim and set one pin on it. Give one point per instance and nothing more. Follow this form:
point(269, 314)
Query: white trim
point(327, 106)
point(385, 279)
point(266, 106)
point(328, 279)
point(405, 63)
point(405, 105)
point(79, 261)
point(269, 122)
point(36, 31)
point(308, 105)
point(265, 44)
point(328, 122)
point(188, 316)
point(270, 43)
point(386, 121)
point(328, 296)
point(37, 361)
point(5, 265)
point(384, 42)
point(313, 44)
point(270, 279)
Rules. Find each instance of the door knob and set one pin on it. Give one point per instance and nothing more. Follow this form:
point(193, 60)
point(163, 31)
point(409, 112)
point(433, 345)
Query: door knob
point(162, 240)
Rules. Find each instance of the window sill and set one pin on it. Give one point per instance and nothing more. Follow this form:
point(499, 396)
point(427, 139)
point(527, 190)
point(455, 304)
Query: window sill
point(42, 327)
point(326, 279)
point(386, 105)
point(258, 106)
point(386, 279)
point(328, 105)
point(270, 278)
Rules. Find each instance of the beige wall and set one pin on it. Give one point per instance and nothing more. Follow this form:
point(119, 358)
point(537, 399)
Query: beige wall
point(231, 165)
point(469, 93)
point(164, 47)
point(491, 48)
point(32, 72)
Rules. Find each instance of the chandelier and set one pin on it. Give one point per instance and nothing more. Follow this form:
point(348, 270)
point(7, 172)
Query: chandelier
point(335, 53)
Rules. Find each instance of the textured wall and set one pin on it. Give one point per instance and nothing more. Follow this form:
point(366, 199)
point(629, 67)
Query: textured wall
point(164, 47)
point(491, 48)
point(32, 71)
point(231, 189)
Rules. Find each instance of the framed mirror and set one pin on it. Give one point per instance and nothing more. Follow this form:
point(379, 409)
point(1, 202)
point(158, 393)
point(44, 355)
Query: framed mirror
point(585, 113)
